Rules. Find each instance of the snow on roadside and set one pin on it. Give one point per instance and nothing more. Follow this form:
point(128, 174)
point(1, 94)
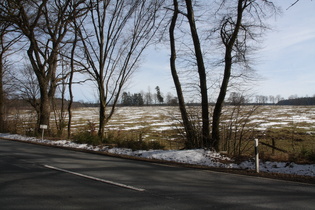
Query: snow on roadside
point(196, 157)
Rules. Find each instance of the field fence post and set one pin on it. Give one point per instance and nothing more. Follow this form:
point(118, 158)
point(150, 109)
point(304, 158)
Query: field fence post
point(273, 146)
point(256, 156)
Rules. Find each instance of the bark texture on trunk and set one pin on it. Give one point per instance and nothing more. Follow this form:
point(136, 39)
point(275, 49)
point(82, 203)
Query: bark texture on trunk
point(202, 76)
point(228, 41)
point(190, 132)
point(1, 97)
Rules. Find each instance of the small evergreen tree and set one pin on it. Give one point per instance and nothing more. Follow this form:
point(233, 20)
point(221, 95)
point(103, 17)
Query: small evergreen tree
point(158, 95)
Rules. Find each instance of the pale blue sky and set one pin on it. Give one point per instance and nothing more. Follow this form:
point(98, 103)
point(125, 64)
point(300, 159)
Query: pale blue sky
point(286, 62)
point(289, 54)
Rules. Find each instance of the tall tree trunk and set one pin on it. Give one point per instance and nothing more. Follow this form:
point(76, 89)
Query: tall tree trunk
point(1, 96)
point(190, 133)
point(46, 76)
point(202, 76)
point(228, 41)
point(69, 108)
point(45, 107)
point(102, 111)
point(46, 99)
point(219, 104)
point(62, 111)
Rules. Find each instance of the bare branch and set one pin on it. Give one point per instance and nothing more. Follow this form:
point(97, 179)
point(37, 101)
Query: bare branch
point(292, 4)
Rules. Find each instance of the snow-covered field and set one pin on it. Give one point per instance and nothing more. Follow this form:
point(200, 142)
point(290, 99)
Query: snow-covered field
point(163, 117)
point(197, 157)
point(162, 122)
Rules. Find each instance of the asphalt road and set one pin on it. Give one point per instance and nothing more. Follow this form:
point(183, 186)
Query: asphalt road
point(40, 177)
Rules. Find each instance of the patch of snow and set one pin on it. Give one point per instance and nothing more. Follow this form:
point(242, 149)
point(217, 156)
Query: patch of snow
point(163, 128)
point(195, 156)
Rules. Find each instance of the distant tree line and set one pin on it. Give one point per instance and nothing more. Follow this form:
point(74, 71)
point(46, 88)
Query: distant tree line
point(148, 98)
point(298, 101)
point(234, 98)
point(241, 99)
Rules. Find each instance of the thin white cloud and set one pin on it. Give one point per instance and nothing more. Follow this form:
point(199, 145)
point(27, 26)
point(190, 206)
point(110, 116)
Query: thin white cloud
point(278, 41)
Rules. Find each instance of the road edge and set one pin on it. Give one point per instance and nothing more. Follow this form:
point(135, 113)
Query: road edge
point(245, 172)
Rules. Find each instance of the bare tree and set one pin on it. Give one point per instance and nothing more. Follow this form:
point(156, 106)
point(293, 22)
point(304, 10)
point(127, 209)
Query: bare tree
point(3, 49)
point(278, 98)
point(7, 40)
point(148, 97)
point(202, 75)
point(44, 24)
point(192, 134)
point(296, 1)
point(191, 137)
point(119, 33)
point(28, 88)
point(59, 103)
point(236, 34)
point(72, 70)
point(272, 99)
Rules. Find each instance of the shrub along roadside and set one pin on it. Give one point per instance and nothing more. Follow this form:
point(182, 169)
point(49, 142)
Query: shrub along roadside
point(116, 138)
point(86, 137)
point(140, 145)
point(306, 154)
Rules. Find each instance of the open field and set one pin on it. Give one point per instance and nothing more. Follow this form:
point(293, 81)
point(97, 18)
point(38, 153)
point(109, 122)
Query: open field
point(288, 128)
point(162, 118)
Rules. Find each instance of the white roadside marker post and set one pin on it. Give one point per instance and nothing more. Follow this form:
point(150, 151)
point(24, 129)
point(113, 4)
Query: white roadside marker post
point(43, 127)
point(256, 156)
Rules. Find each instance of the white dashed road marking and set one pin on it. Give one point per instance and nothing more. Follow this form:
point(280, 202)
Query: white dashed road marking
point(95, 178)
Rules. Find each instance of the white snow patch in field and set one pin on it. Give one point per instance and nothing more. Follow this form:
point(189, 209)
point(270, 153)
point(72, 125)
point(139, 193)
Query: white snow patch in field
point(163, 128)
